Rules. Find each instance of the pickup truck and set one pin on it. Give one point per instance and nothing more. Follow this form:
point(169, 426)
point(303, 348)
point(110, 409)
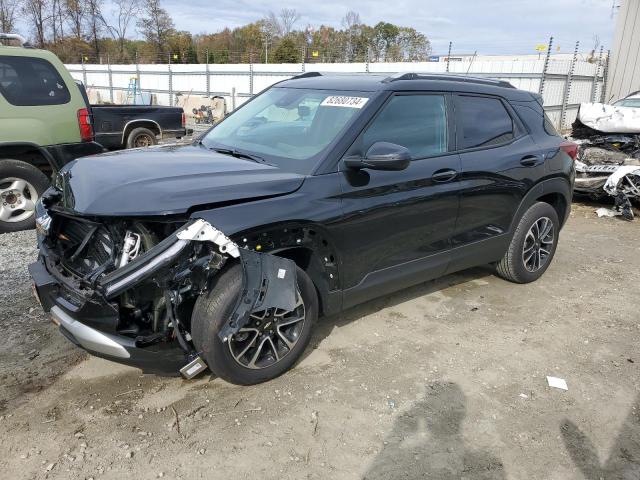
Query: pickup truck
point(46, 121)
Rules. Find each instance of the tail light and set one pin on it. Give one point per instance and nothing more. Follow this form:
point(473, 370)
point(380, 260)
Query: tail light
point(184, 120)
point(570, 149)
point(85, 124)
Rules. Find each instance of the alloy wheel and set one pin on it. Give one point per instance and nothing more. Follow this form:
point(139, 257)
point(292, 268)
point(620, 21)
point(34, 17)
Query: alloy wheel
point(17, 199)
point(538, 244)
point(268, 337)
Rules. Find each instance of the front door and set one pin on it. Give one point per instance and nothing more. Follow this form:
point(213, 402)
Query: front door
point(397, 225)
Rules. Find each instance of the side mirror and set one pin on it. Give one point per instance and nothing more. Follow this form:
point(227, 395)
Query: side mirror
point(382, 156)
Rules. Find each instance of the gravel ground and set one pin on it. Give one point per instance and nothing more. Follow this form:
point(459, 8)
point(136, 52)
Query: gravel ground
point(443, 380)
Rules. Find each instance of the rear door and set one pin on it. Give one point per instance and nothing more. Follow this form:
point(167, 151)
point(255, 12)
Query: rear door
point(499, 164)
point(398, 224)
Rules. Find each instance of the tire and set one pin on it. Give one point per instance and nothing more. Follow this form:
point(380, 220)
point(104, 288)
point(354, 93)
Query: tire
point(139, 135)
point(212, 310)
point(17, 177)
point(513, 267)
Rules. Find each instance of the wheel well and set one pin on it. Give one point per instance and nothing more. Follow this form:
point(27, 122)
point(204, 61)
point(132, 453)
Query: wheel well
point(558, 202)
point(28, 154)
point(140, 124)
point(302, 257)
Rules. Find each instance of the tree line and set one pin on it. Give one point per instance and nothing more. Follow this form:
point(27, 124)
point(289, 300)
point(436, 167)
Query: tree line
point(127, 31)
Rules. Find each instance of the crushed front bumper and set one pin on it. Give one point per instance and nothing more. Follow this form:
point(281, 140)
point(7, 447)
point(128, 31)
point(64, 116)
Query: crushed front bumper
point(90, 318)
point(78, 322)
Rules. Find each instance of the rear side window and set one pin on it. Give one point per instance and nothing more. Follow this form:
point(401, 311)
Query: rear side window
point(483, 122)
point(417, 122)
point(31, 81)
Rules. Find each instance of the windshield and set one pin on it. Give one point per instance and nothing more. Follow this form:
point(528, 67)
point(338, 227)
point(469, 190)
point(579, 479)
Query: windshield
point(288, 127)
point(628, 102)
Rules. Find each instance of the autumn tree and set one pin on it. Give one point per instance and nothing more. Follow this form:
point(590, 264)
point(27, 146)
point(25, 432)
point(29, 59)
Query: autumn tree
point(156, 25)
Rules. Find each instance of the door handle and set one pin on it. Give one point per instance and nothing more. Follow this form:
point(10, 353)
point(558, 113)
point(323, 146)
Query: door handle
point(530, 161)
point(444, 175)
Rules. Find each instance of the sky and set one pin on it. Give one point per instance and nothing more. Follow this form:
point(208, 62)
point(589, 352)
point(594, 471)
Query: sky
point(488, 27)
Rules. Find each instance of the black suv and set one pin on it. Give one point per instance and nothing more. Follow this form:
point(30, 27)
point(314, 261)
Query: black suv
point(318, 194)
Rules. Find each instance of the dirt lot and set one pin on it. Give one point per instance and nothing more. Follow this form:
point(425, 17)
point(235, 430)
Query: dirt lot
point(443, 380)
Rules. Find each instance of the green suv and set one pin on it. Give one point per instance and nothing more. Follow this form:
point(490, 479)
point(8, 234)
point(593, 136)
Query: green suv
point(44, 123)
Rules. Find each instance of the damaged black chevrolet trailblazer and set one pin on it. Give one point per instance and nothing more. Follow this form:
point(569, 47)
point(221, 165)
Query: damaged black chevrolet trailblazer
point(318, 194)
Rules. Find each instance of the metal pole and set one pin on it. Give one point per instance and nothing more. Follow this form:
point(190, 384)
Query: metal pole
point(208, 79)
point(605, 78)
point(170, 83)
point(449, 56)
point(596, 75)
point(110, 78)
point(233, 98)
point(251, 78)
point(84, 71)
point(567, 86)
point(545, 67)
point(368, 60)
point(303, 58)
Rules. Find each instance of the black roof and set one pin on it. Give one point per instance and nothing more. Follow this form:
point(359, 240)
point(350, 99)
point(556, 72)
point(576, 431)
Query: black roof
point(405, 82)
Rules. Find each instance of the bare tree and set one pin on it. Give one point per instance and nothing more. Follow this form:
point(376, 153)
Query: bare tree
point(124, 12)
point(36, 12)
point(156, 25)
point(351, 20)
point(57, 17)
point(288, 18)
point(8, 11)
point(95, 23)
point(352, 25)
point(75, 11)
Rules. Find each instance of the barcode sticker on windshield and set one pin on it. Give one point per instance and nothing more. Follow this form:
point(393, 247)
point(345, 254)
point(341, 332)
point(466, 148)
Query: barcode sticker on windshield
point(339, 101)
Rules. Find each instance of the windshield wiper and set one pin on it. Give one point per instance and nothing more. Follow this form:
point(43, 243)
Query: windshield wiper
point(239, 154)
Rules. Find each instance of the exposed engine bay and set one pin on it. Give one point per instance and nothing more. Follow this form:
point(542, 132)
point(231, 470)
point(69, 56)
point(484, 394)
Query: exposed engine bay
point(140, 280)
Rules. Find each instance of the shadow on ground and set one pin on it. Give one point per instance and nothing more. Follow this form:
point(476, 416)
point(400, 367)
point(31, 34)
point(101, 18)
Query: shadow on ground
point(623, 462)
point(427, 442)
point(326, 324)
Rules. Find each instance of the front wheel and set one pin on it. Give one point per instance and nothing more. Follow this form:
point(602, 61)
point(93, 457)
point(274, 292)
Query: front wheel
point(21, 184)
point(267, 346)
point(533, 245)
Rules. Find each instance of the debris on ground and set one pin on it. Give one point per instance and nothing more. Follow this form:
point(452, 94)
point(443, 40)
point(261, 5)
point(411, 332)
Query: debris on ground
point(556, 382)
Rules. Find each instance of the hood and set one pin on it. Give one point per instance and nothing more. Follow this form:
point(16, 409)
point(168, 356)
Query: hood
point(166, 180)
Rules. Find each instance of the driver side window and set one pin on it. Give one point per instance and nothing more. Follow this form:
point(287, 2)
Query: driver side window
point(417, 122)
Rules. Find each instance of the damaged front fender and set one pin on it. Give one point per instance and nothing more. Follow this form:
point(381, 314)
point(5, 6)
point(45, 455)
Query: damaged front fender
point(268, 281)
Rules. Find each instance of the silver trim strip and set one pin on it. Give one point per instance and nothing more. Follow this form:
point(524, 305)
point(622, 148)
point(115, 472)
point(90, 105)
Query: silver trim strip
point(139, 120)
point(88, 337)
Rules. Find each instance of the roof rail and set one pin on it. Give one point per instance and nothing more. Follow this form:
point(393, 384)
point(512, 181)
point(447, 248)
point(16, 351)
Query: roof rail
point(448, 76)
point(13, 36)
point(306, 75)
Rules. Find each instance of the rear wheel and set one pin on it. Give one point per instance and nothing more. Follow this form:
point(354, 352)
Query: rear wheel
point(141, 137)
point(267, 346)
point(21, 184)
point(533, 245)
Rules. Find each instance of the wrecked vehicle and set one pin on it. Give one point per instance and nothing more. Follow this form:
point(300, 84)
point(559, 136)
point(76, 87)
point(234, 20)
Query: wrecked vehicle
point(608, 162)
point(318, 194)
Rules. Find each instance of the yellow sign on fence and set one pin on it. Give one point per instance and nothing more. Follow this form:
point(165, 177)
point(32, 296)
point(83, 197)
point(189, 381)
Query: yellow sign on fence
point(541, 47)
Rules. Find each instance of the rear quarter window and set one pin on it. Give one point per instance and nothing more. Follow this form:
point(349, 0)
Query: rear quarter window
point(483, 122)
point(29, 82)
point(549, 128)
